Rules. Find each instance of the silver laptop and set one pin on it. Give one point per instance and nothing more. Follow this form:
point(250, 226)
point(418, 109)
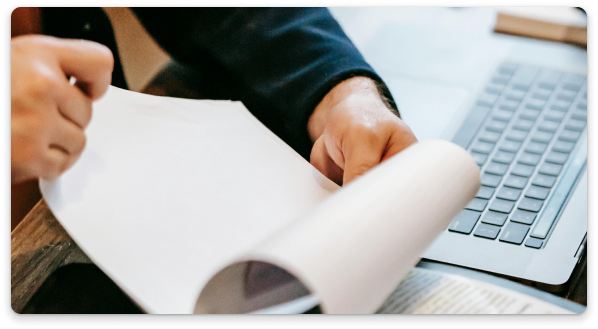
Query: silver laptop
point(519, 106)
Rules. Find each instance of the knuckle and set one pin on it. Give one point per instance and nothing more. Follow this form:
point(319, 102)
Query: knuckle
point(364, 132)
point(360, 169)
point(43, 82)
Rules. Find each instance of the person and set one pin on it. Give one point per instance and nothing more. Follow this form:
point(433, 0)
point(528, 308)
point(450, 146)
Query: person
point(293, 68)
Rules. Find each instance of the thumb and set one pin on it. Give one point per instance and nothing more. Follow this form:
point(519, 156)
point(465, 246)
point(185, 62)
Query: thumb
point(321, 160)
point(361, 156)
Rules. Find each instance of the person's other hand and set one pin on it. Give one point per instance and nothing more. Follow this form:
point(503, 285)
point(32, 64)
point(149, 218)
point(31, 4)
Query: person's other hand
point(353, 130)
point(48, 114)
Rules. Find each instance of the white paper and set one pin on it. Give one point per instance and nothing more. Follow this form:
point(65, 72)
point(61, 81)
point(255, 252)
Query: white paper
point(167, 191)
point(353, 250)
point(430, 292)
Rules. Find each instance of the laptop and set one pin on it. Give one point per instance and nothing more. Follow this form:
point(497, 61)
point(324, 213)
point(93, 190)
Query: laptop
point(519, 106)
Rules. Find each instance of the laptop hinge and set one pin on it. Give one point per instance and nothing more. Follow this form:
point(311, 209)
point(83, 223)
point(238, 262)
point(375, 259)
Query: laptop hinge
point(582, 247)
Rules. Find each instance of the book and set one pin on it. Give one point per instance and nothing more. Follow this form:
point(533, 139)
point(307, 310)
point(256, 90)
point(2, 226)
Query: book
point(194, 206)
point(560, 24)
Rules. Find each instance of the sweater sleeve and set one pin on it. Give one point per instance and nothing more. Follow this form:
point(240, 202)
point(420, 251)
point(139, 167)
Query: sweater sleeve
point(287, 58)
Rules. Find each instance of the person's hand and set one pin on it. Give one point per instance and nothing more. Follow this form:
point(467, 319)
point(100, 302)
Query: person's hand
point(48, 114)
point(353, 130)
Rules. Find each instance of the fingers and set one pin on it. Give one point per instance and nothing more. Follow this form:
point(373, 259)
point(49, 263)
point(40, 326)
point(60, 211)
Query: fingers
point(63, 151)
point(400, 140)
point(363, 150)
point(75, 106)
point(54, 163)
point(343, 158)
point(321, 160)
point(91, 63)
point(68, 137)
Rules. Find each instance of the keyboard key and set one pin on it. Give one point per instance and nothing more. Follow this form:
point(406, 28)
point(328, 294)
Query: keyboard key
point(485, 192)
point(509, 146)
point(479, 158)
point(562, 146)
point(487, 231)
point(575, 125)
point(496, 168)
point(524, 125)
point(561, 105)
point(494, 88)
point(496, 126)
point(523, 217)
point(489, 136)
point(535, 104)
point(464, 222)
point(549, 76)
point(550, 169)
point(543, 180)
point(523, 77)
point(559, 195)
point(555, 116)
point(549, 126)
point(536, 148)
point(502, 206)
point(514, 233)
point(574, 78)
point(557, 157)
point(494, 218)
point(521, 86)
point(542, 137)
point(515, 95)
point(503, 157)
point(537, 192)
point(515, 181)
point(487, 100)
point(516, 135)
point(547, 85)
point(533, 243)
point(522, 170)
point(582, 106)
point(580, 115)
point(490, 180)
point(569, 136)
point(477, 204)
point(507, 193)
point(500, 80)
point(572, 86)
point(529, 159)
point(508, 105)
point(566, 95)
point(528, 114)
point(468, 129)
point(530, 204)
point(502, 116)
point(482, 147)
point(542, 94)
point(507, 68)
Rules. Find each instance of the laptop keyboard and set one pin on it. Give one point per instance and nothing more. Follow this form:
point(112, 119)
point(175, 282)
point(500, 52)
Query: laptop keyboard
point(530, 147)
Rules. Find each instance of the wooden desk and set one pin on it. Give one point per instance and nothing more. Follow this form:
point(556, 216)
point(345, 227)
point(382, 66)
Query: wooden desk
point(41, 247)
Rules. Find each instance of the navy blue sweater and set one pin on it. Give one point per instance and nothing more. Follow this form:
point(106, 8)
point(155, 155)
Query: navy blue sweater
point(280, 62)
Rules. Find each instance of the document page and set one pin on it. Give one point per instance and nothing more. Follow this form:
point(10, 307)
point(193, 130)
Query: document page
point(426, 291)
point(354, 249)
point(168, 191)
